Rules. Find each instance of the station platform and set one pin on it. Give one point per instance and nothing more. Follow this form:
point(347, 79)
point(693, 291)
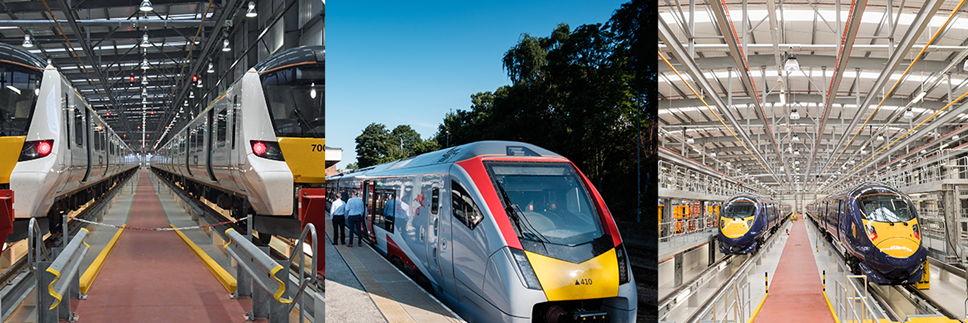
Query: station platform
point(141, 274)
point(362, 286)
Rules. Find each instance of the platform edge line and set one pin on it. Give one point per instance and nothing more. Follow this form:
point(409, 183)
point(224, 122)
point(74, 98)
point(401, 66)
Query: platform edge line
point(832, 312)
point(223, 276)
point(87, 279)
point(758, 307)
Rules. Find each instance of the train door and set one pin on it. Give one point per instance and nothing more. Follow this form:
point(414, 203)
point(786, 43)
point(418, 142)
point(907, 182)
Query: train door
point(440, 259)
point(210, 144)
point(367, 195)
point(189, 146)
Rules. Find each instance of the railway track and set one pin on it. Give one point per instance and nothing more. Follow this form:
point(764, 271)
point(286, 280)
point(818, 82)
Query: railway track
point(16, 282)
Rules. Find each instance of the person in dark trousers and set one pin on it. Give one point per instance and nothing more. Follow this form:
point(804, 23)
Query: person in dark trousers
point(354, 218)
point(338, 214)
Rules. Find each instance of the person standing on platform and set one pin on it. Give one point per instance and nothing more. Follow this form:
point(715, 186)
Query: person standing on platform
point(354, 218)
point(338, 214)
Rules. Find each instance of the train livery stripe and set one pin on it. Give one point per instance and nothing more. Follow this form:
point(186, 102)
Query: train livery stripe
point(303, 156)
point(10, 146)
point(475, 168)
point(563, 280)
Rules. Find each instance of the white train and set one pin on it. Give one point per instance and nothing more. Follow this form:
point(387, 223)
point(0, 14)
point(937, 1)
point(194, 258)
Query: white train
point(68, 154)
point(256, 145)
point(503, 231)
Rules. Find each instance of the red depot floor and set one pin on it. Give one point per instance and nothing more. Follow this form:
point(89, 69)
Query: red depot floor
point(152, 276)
point(796, 293)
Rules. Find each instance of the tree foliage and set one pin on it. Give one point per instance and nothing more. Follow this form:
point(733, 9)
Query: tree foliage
point(578, 93)
point(377, 145)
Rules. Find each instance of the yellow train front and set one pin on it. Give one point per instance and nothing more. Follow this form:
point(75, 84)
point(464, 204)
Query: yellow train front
point(879, 231)
point(744, 222)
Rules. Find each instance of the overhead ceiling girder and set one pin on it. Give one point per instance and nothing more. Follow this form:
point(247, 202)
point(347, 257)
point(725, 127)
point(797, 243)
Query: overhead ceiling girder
point(681, 53)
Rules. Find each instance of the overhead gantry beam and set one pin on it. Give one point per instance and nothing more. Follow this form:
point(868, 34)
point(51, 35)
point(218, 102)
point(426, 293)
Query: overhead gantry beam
point(86, 46)
point(682, 54)
point(739, 59)
point(920, 22)
point(850, 35)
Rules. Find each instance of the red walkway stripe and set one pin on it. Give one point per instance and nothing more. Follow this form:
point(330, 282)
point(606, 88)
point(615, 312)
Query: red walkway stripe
point(152, 276)
point(796, 293)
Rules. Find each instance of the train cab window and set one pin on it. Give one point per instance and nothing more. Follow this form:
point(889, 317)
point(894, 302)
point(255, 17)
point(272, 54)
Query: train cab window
point(885, 207)
point(295, 98)
point(464, 208)
point(547, 202)
point(738, 209)
point(17, 98)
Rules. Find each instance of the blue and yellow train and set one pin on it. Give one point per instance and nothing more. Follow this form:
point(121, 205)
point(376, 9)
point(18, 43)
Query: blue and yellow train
point(877, 229)
point(744, 222)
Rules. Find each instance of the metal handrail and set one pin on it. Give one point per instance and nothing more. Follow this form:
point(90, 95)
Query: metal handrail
point(303, 281)
point(36, 244)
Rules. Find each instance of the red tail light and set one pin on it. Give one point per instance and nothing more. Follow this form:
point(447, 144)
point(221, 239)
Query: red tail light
point(267, 149)
point(917, 233)
point(36, 149)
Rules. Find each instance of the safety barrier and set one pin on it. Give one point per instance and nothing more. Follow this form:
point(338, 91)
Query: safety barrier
point(681, 178)
point(57, 280)
point(853, 303)
point(272, 276)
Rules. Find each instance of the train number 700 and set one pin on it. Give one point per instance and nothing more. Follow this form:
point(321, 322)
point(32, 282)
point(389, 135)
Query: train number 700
point(317, 147)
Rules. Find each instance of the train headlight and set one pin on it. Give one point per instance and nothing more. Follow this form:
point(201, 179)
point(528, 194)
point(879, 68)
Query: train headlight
point(623, 266)
point(749, 223)
point(917, 233)
point(530, 278)
point(267, 149)
point(871, 232)
point(36, 149)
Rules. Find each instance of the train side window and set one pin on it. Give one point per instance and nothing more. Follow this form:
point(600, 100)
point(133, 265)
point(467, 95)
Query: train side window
point(464, 208)
point(67, 124)
point(79, 128)
point(220, 129)
point(434, 200)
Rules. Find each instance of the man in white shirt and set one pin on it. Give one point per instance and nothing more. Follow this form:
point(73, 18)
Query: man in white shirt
point(338, 214)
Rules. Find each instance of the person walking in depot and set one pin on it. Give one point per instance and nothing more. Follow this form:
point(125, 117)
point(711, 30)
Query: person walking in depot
point(354, 218)
point(338, 214)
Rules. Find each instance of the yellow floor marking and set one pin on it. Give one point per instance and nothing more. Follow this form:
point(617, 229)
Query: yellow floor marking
point(91, 273)
point(223, 276)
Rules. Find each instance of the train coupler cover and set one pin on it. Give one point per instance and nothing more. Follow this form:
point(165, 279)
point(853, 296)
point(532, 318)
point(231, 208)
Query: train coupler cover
point(312, 209)
point(925, 282)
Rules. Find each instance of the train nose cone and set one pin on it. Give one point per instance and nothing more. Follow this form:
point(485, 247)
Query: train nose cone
point(898, 247)
point(734, 228)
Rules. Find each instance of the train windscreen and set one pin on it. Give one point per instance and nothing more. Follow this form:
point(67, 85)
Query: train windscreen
point(19, 87)
point(546, 202)
point(885, 207)
point(295, 99)
point(739, 209)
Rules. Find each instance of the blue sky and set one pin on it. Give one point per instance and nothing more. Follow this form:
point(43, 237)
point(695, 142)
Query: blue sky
point(411, 62)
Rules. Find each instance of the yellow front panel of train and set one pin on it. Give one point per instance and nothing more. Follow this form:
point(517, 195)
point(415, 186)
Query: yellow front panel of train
point(306, 158)
point(734, 228)
point(564, 280)
point(12, 146)
point(896, 240)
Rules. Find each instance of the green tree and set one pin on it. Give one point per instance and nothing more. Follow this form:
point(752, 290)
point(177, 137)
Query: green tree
point(402, 143)
point(352, 166)
point(371, 145)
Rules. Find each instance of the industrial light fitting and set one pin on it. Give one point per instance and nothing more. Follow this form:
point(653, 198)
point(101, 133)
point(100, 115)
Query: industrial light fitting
point(225, 46)
point(191, 94)
point(796, 152)
point(211, 68)
point(251, 12)
point(146, 6)
point(144, 41)
point(880, 138)
point(199, 83)
point(27, 42)
point(794, 115)
point(909, 114)
point(851, 162)
point(795, 138)
point(955, 137)
point(690, 141)
point(144, 64)
point(312, 92)
point(791, 64)
point(713, 154)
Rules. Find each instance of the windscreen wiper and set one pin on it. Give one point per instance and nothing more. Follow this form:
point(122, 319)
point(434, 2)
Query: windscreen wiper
point(510, 209)
point(301, 117)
